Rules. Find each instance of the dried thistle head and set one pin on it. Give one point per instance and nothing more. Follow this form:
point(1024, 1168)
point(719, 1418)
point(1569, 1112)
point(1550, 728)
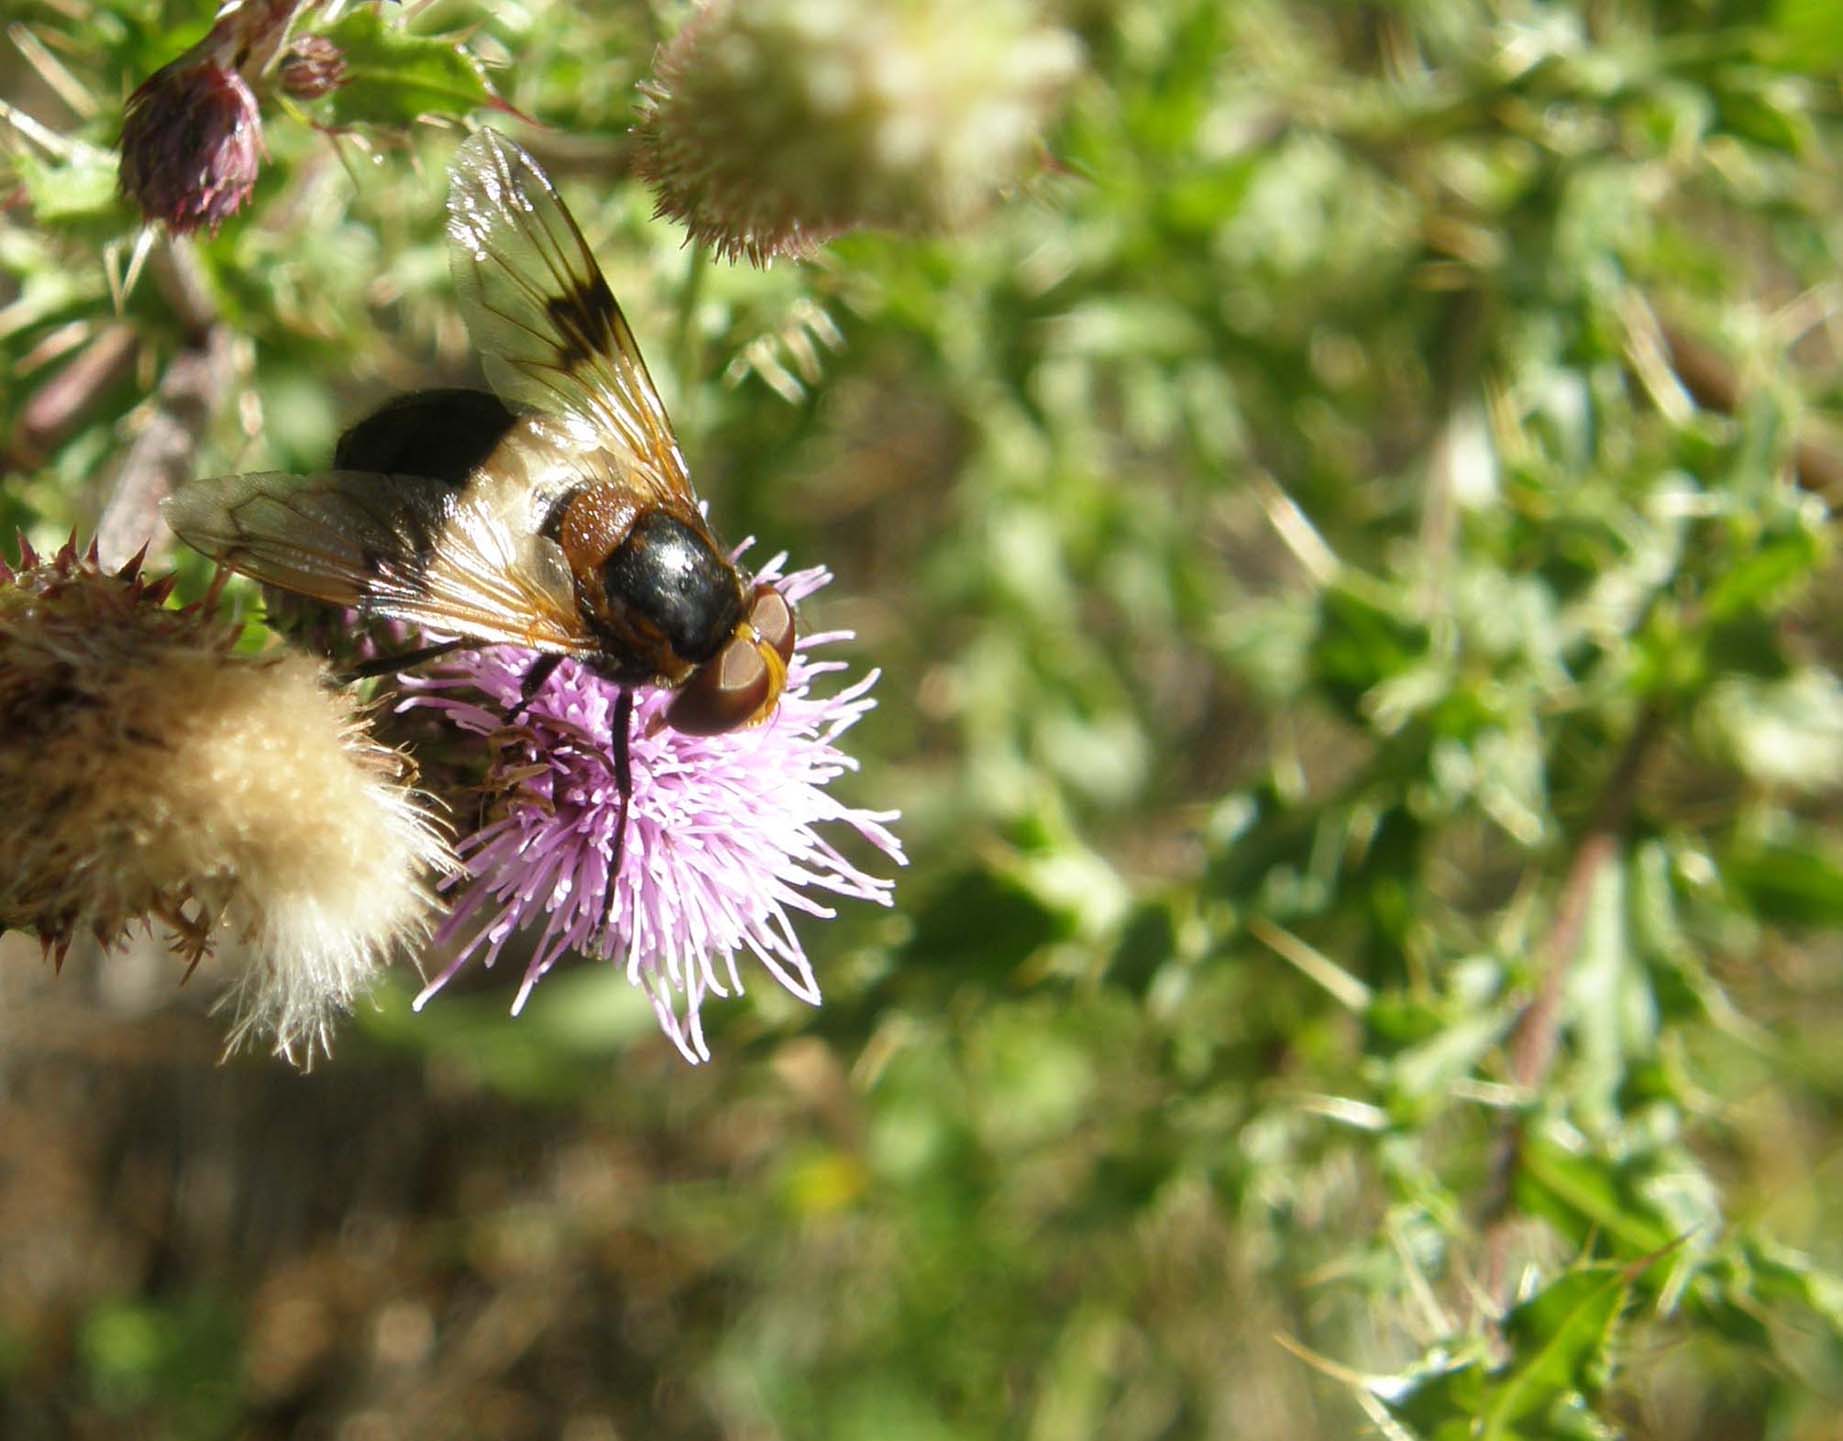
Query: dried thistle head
point(770, 126)
point(151, 774)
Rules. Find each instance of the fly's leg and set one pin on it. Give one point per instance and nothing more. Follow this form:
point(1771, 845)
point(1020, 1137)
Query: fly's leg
point(385, 664)
point(624, 783)
point(542, 669)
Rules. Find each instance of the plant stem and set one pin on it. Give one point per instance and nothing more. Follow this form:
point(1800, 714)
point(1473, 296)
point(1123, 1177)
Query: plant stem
point(1537, 1039)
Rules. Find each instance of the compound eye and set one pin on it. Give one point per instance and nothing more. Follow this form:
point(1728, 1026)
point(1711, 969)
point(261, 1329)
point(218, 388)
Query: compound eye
point(725, 694)
point(773, 617)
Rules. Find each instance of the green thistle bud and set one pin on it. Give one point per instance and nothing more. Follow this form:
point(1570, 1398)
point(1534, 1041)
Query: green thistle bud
point(770, 126)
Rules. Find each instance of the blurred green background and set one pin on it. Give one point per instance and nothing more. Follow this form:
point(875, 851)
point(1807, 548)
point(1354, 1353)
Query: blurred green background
point(1348, 546)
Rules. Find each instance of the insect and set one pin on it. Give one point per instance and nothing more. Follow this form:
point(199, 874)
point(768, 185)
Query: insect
point(555, 513)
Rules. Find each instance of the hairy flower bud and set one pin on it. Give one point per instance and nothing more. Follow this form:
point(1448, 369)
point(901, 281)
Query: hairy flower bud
point(191, 144)
point(770, 126)
point(312, 67)
point(150, 774)
point(192, 133)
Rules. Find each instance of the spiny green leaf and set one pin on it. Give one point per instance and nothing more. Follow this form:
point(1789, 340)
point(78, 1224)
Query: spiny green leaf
point(1442, 1407)
point(1560, 1344)
point(1562, 1337)
point(1587, 1196)
point(395, 78)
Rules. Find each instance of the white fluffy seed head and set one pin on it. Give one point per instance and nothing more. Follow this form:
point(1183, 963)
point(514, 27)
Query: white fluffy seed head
point(279, 800)
point(149, 773)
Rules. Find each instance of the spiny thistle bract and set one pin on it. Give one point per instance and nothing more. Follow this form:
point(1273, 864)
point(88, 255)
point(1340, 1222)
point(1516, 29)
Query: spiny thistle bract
point(150, 774)
point(770, 126)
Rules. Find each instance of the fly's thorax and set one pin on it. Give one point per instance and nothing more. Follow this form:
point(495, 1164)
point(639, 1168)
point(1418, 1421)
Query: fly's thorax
point(652, 584)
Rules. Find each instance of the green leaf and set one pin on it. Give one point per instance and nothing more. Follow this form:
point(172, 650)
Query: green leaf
point(1757, 118)
point(1782, 732)
point(1562, 1338)
point(1148, 940)
point(1442, 1407)
point(1612, 1014)
point(395, 78)
point(982, 922)
point(1421, 1078)
point(1778, 1274)
point(1361, 644)
point(1560, 1343)
point(1788, 885)
point(1767, 577)
point(1806, 35)
point(1587, 1197)
point(81, 187)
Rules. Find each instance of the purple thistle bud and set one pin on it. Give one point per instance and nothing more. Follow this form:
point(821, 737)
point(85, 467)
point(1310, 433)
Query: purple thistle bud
point(191, 143)
point(192, 133)
point(722, 847)
point(313, 66)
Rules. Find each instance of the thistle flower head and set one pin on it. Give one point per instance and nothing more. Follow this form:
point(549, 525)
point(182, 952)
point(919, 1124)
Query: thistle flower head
point(722, 848)
point(150, 774)
point(772, 125)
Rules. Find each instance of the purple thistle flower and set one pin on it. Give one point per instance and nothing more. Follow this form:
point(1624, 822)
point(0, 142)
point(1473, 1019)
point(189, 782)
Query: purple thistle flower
point(721, 849)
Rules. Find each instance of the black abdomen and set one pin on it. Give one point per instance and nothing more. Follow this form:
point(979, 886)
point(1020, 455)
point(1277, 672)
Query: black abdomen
point(443, 434)
point(668, 573)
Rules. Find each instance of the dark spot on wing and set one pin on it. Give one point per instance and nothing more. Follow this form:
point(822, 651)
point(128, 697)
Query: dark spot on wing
point(584, 322)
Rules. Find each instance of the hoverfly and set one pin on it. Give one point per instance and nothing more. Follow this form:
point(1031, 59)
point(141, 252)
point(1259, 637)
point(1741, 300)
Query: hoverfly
point(555, 513)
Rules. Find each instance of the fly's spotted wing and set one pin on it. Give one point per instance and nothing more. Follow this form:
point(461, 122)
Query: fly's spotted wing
point(550, 333)
point(401, 546)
